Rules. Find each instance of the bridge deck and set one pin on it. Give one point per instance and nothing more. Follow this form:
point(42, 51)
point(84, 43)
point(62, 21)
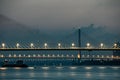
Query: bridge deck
point(72, 49)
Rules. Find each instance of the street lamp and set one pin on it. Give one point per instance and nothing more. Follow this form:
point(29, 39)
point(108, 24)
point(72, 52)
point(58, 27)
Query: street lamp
point(31, 45)
point(17, 45)
point(88, 45)
point(73, 45)
point(3, 45)
point(59, 45)
point(115, 45)
point(78, 56)
point(45, 45)
point(101, 45)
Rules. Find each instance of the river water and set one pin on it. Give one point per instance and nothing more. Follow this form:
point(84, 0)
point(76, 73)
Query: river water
point(61, 73)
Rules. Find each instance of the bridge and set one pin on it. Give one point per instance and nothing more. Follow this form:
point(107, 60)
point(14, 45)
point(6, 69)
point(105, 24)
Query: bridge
point(62, 49)
point(59, 48)
point(59, 52)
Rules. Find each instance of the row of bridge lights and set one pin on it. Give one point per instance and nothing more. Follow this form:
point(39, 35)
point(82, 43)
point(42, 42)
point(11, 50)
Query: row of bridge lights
point(59, 45)
point(58, 55)
point(32, 45)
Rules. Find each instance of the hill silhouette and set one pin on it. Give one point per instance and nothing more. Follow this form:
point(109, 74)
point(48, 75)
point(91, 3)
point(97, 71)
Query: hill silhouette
point(12, 31)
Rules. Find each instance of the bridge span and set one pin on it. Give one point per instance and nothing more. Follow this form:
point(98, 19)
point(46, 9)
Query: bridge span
point(64, 49)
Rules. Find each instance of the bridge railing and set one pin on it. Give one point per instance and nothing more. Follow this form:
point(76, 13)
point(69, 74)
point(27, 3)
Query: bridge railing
point(59, 46)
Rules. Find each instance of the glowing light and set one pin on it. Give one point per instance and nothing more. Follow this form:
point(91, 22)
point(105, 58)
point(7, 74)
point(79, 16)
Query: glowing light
point(31, 45)
point(101, 45)
point(88, 55)
point(115, 45)
point(2, 68)
point(59, 67)
point(73, 45)
point(78, 56)
point(112, 56)
point(48, 55)
point(116, 68)
point(59, 45)
point(19, 55)
point(3, 45)
point(73, 68)
point(53, 55)
point(67, 55)
point(45, 68)
point(17, 68)
point(98, 56)
point(30, 67)
point(88, 74)
point(17, 45)
point(102, 56)
point(88, 68)
point(24, 55)
point(107, 56)
point(9, 55)
point(58, 55)
point(83, 55)
point(43, 55)
point(34, 55)
point(88, 44)
point(14, 55)
point(101, 67)
point(72, 55)
point(39, 55)
point(29, 56)
point(45, 45)
point(62, 55)
point(2, 55)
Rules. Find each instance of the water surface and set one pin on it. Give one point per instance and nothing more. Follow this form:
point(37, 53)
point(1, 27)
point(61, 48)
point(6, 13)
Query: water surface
point(61, 73)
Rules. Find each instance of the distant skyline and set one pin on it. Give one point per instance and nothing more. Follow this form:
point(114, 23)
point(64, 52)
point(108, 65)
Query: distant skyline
point(60, 15)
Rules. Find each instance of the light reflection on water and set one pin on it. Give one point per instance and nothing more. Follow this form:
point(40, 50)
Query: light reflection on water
point(61, 73)
point(88, 68)
point(73, 67)
point(102, 67)
point(45, 68)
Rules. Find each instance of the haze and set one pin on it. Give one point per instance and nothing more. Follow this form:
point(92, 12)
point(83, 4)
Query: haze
point(55, 15)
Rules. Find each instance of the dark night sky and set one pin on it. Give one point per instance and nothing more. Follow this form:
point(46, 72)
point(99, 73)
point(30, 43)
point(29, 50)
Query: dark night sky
point(59, 17)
